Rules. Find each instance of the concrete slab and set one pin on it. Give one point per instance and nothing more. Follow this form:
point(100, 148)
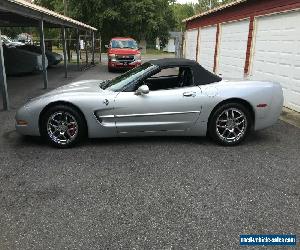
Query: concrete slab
point(290, 116)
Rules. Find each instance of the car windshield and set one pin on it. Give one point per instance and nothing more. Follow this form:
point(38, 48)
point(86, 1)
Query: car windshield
point(124, 44)
point(121, 82)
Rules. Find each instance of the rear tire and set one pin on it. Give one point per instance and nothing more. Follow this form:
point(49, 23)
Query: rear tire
point(230, 124)
point(63, 126)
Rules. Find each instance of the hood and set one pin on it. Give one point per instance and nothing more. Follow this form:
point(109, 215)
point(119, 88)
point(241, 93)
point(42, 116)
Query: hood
point(124, 51)
point(80, 88)
point(86, 86)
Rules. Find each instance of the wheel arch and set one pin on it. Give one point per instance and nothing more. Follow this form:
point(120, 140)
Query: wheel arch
point(234, 100)
point(52, 104)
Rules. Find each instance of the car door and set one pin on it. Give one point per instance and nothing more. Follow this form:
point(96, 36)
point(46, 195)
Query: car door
point(166, 110)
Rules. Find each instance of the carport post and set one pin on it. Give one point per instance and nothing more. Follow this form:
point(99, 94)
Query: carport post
point(78, 48)
point(93, 47)
point(86, 50)
point(3, 84)
point(68, 38)
point(100, 50)
point(42, 43)
point(63, 31)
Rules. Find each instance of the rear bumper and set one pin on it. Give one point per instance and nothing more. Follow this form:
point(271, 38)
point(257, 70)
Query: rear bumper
point(272, 114)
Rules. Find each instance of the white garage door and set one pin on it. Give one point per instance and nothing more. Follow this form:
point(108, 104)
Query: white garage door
point(277, 54)
point(233, 48)
point(207, 43)
point(191, 44)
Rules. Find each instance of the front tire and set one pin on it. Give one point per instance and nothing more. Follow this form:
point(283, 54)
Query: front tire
point(63, 126)
point(230, 124)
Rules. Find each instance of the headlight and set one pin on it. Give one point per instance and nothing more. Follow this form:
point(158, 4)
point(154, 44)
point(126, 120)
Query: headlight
point(137, 57)
point(112, 57)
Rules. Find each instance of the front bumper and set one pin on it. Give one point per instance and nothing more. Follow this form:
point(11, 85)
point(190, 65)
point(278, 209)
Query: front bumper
point(32, 121)
point(124, 65)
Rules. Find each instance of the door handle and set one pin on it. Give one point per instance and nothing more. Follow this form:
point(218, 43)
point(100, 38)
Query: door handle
point(189, 94)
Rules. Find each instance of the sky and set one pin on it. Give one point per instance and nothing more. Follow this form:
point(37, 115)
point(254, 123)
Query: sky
point(187, 1)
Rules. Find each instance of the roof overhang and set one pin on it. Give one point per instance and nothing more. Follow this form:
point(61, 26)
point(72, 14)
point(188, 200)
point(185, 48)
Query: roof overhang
point(19, 13)
point(209, 12)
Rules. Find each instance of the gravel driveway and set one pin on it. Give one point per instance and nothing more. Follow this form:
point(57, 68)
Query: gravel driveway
point(142, 193)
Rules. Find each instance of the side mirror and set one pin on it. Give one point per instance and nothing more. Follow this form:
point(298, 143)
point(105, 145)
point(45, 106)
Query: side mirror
point(142, 90)
point(106, 46)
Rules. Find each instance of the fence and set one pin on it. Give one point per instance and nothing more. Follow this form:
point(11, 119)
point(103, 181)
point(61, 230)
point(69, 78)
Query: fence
point(86, 58)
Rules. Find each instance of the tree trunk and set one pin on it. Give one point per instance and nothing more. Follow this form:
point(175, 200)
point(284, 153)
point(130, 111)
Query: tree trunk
point(143, 45)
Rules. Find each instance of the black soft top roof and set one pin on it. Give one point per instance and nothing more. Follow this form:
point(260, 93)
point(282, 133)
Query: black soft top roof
point(201, 75)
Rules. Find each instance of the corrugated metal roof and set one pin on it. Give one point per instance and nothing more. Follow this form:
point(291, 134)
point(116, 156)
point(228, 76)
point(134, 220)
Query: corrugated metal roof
point(224, 6)
point(51, 13)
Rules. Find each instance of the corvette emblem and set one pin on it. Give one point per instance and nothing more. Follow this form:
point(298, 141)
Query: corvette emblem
point(106, 102)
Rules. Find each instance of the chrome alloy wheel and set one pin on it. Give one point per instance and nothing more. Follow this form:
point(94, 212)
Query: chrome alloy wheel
point(231, 125)
point(62, 127)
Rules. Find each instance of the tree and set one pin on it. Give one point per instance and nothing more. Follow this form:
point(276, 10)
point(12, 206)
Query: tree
point(140, 19)
point(55, 5)
point(182, 11)
point(205, 5)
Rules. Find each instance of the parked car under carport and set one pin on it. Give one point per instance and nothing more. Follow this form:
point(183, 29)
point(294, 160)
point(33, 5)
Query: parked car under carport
point(9, 42)
point(53, 58)
point(18, 61)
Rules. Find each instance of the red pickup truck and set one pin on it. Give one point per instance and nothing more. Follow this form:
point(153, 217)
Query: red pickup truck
point(123, 53)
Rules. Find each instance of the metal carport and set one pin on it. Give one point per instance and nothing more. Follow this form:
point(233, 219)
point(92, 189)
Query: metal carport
point(19, 13)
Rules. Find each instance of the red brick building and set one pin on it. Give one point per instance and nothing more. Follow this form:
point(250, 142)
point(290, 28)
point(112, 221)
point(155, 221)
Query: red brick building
point(255, 39)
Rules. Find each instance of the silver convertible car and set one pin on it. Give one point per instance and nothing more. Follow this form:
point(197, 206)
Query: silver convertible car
point(161, 97)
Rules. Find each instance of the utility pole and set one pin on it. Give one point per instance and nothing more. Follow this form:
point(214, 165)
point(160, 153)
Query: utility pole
point(65, 7)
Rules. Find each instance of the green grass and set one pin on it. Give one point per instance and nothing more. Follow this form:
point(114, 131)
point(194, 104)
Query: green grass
point(154, 52)
point(55, 49)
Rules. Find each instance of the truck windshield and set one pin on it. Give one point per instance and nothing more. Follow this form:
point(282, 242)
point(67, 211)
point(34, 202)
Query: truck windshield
point(124, 44)
point(123, 81)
